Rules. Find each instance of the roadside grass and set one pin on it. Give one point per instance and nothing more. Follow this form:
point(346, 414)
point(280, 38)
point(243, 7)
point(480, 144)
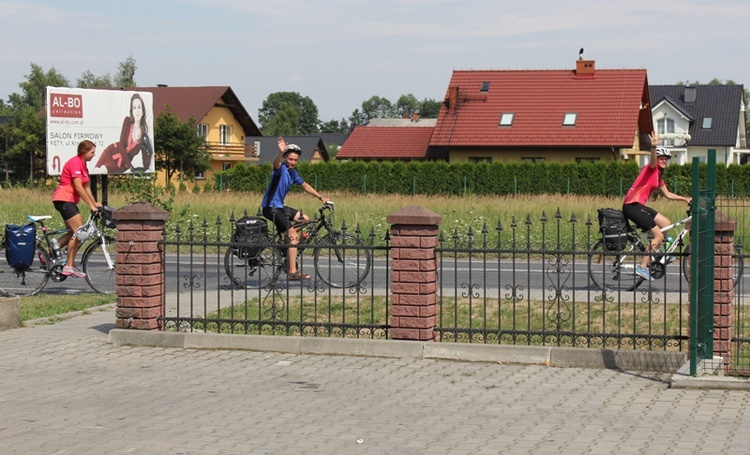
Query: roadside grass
point(51, 305)
point(464, 320)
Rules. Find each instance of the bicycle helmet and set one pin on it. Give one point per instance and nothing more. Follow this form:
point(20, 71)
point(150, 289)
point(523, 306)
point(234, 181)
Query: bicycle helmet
point(663, 151)
point(293, 148)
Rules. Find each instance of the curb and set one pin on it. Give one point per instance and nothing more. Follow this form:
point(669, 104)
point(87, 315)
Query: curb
point(656, 361)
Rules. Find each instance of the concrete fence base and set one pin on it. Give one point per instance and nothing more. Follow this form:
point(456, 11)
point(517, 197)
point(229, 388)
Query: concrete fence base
point(10, 312)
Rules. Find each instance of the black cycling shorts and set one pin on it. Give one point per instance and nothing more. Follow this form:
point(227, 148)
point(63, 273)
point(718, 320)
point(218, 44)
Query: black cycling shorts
point(282, 218)
point(67, 209)
point(642, 216)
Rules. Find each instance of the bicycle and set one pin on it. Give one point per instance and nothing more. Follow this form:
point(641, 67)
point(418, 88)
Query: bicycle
point(340, 259)
point(97, 262)
point(616, 269)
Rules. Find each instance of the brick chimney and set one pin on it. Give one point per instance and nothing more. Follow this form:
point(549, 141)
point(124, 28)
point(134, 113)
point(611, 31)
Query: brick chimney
point(452, 100)
point(584, 69)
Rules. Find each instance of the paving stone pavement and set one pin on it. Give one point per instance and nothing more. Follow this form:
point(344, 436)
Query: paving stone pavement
point(65, 390)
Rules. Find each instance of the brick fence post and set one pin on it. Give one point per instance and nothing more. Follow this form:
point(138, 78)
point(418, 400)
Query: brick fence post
point(723, 286)
point(414, 284)
point(139, 266)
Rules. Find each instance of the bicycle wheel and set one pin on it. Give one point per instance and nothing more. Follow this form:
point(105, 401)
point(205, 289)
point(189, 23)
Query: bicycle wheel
point(24, 280)
point(341, 260)
point(615, 270)
point(98, 264)
point(253, 273)
point(738, 265)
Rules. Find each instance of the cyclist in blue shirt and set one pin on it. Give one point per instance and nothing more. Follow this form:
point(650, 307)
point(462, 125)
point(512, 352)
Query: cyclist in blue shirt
point(285, 175)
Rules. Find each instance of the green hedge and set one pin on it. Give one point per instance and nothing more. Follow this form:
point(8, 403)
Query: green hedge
point(441, 178)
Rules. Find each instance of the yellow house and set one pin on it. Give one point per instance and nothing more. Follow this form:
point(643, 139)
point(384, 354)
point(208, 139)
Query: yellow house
point(221, 120)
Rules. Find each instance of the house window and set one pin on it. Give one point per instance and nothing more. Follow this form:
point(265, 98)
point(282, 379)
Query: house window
point(532, 159)
point(587, 159)
point(227, 166)
point(666, 126)
point(200, 175)
point(506, 118)
point(225, 134)
point(480, 159)
point(570, 119)
point(485, 87)
point(708, 122)
point(202, 130)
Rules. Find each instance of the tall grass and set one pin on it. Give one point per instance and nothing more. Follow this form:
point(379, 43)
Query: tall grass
point(369, 212)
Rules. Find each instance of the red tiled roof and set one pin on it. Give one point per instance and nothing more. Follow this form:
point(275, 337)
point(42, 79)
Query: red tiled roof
point(607, 105)
point(386, 142)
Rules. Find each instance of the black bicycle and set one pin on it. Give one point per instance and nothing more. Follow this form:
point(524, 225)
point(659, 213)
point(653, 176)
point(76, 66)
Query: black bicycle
point(97, 262)
point(340, 260)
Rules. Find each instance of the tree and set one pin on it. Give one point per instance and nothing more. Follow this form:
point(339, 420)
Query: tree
point(335, 126)
point(286, 121)
point(89, 80)
point(178, 147)
point(429, 108)
point(377, 107)
point(307, 112)
point(125, 76)
point(406, 105)
point(26, 146)
point(33, 88)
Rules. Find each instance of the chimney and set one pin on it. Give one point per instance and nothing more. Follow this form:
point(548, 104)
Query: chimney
point(690, 94)
point(415, 116)
point(452, 100)
point(585, 69)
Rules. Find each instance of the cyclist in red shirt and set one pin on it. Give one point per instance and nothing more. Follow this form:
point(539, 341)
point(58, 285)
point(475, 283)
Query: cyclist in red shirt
point(74, 186)
point(634, 206)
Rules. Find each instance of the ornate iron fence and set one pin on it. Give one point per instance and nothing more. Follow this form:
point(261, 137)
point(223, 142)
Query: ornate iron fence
point(201, 295)
point(530, 283)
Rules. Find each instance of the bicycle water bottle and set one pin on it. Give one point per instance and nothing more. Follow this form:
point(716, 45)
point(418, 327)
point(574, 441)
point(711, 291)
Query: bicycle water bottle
point(55, 248)
point(668, 243)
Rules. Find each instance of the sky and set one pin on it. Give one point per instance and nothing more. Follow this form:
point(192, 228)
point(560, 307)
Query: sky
point(340, 53)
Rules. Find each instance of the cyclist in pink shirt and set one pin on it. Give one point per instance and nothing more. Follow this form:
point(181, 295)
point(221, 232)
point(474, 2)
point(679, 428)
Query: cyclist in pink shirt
point(634, 206)
point(74, 186)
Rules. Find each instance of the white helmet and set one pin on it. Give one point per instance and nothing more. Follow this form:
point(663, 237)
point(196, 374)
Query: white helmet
point(663, 151)
point(293, 148)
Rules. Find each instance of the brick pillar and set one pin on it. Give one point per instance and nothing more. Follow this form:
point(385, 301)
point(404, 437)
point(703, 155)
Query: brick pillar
point(723, 286)
point(414, 285)
point(139, 266)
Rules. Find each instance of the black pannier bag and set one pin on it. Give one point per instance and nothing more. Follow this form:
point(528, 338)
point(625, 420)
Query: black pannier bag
point(20, 242)
point(251, 231)
point(614, 229)
point(107, 221)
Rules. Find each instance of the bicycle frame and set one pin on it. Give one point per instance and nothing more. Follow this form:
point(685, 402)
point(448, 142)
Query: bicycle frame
point(98, 260)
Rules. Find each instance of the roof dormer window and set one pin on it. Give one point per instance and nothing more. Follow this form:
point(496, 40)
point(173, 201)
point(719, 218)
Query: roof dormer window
point(485, 87)
point(708, 123)
point(569, 119)
point(506, 118)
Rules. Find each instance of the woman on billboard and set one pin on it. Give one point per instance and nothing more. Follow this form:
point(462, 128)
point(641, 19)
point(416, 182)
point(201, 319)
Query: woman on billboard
point(134, 151)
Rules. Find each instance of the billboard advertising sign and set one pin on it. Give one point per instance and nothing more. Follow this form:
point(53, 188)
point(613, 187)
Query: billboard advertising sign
point(120, 123)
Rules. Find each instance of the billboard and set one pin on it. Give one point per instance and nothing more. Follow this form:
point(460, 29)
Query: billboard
point(119, 122)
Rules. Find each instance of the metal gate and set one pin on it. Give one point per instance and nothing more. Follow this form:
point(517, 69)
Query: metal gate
point(702, 265)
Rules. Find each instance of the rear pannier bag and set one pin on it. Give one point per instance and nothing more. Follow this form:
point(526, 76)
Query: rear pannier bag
point(614, 229)
point(20, 242)
point(250, 231)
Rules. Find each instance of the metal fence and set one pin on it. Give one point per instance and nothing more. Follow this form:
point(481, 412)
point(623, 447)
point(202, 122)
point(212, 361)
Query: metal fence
point(201, 296)
point(528, 283)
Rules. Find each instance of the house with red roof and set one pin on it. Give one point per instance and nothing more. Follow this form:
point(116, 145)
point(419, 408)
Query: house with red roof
point(221, 119)
point(586, 114)
point(579, 115)
point(391, 139)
